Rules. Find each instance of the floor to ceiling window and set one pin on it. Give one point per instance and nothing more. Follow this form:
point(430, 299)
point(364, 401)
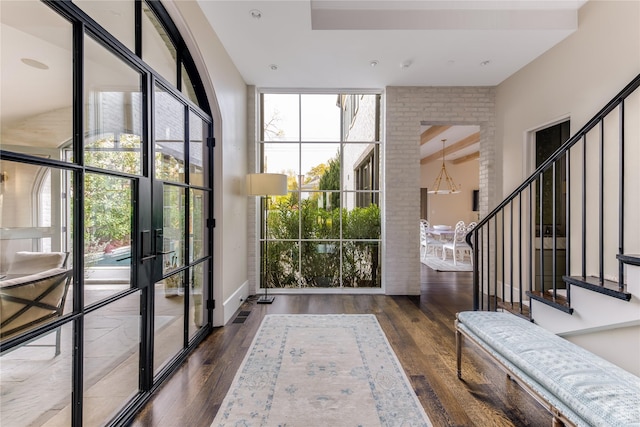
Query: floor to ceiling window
point(105, 209)
point(325, 233)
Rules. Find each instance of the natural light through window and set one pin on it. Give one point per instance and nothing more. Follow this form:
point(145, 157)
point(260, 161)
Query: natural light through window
point(325, 233)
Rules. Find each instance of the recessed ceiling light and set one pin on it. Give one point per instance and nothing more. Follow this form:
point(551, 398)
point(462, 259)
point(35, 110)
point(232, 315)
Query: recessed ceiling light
point(374, 63)
point(255, 13)
point(35, 64)
point(406, 64)
point(485, 63)
point(273, 67)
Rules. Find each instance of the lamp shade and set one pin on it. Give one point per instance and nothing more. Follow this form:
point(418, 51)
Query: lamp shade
point(266, 184)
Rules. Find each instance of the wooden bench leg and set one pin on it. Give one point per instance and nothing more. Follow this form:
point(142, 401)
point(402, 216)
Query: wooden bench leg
point(459, 353)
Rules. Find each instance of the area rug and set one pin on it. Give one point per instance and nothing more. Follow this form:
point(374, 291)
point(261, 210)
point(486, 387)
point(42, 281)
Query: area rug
point(437, 264)
point(320, 370)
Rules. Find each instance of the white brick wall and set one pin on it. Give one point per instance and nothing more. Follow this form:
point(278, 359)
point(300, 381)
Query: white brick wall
point(406, 108)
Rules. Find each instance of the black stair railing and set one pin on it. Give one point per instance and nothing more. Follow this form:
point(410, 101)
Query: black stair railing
point(511, 252)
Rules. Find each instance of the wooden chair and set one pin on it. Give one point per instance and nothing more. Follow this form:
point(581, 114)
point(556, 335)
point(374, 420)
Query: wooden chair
point(31, 300)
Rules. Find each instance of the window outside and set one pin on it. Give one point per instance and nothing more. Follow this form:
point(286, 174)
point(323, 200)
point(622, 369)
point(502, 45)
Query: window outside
point(325, 233)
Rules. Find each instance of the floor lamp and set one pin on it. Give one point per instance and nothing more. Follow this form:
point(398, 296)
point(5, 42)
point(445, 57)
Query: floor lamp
point(266, 185)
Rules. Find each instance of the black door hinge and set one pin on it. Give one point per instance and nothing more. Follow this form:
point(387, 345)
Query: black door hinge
point(211, 223)
point(211, 142)
point(211, 304)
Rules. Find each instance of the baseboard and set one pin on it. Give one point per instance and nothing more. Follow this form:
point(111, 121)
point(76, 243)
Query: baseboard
point(234, 302)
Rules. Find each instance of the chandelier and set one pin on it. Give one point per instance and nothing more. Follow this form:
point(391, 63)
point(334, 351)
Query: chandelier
point(451, 186)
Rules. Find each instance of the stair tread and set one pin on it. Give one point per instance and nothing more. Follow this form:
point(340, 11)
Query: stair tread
point(560, 302)
point(631, 259)
point(515, 308)
point(607, 287)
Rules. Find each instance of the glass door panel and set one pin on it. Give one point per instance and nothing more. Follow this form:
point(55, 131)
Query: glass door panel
point(169, 145)
point(197, 280)
point(198, 167)
point(113, 111)
point(168, 320)
point(107, 236)
point(173, 218)
point(111, 358)
point(169, 298)
point(197, 225)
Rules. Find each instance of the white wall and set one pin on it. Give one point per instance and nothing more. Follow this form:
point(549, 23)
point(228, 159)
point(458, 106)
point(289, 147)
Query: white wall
point(227, 92)
point(574, 79)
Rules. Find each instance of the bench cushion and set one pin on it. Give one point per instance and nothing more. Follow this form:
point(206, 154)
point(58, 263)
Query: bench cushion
point(598, 391)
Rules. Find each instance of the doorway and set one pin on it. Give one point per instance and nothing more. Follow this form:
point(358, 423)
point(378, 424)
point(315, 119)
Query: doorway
point(550, 209)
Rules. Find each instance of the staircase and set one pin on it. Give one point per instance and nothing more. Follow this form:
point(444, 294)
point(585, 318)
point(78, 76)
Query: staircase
point(572, 266)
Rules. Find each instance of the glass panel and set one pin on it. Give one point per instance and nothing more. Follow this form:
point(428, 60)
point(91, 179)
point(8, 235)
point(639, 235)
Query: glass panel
point(320, 117)
point(280, 117)
point(282, 158)
point(157, 49)
point(360, 116)
point(36, 87)
point(360, 223)
point(321, 166)
point(111, 358)
point(34, 220)
point(107, 236)
point(36, 386)
point(33, 250)
point(282, 267)
point(321, 215)
point(361, 264)
point(284, 217)
point(113, 112)
point(361, 167)
point(169, 137)
point(187, 86)
point(320, 264)
point(198, 165)
point(117, 17)
point(168, 319)
point(197, 280)
point(173, 218)
point(197, 225)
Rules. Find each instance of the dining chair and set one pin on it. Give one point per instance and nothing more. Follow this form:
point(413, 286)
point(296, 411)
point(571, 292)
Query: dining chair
point(457, 246)
point(428, 243)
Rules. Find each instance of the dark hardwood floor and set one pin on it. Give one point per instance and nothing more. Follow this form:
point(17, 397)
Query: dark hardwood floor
point(421, 332)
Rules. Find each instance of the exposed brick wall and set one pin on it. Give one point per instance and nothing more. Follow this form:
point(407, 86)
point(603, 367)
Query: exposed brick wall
point(405, 109)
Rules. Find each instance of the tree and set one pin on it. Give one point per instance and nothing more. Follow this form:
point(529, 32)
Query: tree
point(330, 180)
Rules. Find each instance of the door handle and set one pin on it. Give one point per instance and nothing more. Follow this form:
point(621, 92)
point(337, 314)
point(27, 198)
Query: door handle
point(147, 250)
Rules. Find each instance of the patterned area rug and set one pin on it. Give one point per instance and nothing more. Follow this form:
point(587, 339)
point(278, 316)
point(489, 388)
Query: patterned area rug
point(437, 264)
point(321, 370)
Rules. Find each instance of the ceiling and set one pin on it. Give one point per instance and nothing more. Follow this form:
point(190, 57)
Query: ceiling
point(362, 44)
point(322, 44)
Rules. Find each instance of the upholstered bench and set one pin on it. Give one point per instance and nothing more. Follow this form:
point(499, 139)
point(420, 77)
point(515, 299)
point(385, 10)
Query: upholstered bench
point(576, 386)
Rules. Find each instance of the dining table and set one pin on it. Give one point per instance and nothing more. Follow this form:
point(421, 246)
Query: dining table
point(444, 232)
